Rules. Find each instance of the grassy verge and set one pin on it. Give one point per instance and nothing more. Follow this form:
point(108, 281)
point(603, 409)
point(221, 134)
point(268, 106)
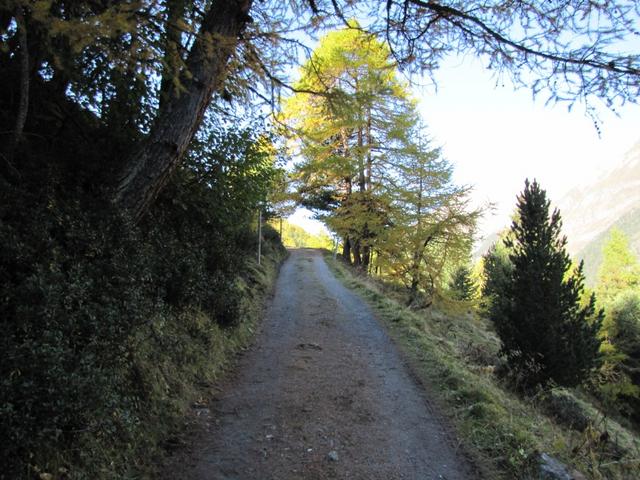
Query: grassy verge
point(203, 351)
point(455, 352)
point(170, 363)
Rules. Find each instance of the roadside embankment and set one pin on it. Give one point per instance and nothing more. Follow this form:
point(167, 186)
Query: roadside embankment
point(454, 354)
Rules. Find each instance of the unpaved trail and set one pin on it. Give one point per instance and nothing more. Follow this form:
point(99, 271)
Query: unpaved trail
point(322, 395)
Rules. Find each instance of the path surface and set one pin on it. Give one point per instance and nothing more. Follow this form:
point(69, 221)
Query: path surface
point(322, 395)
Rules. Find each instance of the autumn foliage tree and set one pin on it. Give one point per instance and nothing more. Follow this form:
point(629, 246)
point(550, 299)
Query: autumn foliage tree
point(367, 167)
point(620, 269)
point(618, 290)
point(349, 117)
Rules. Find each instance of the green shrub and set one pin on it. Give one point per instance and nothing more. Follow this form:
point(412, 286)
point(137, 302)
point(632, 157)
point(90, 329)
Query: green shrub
point(620, 374)
point(109, 327)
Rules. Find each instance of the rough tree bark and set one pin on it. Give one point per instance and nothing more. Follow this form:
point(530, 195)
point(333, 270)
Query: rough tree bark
point(357, 257)
point(172, 45)
point(23, 104)
point(346, 249)
point(149, 166)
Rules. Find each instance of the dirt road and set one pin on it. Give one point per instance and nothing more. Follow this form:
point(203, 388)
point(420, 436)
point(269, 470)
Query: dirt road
point(322, 395)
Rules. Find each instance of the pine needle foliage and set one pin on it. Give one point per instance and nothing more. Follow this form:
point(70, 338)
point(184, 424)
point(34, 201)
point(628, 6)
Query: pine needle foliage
point(547, 335)
point(462, 286)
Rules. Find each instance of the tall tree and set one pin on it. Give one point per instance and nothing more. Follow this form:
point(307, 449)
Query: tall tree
point(546, 334)
point(619, 270)
point(432, 224)
point(348, 131)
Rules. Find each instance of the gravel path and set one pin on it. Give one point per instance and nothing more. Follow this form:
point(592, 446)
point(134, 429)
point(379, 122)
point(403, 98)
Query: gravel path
point(322, 395)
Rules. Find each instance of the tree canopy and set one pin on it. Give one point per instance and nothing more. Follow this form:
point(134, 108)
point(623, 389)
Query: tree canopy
point(107, 57)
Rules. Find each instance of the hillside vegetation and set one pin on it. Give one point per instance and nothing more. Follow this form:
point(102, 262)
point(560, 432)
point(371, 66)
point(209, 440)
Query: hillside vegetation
point(111, 328)
point(454, 351)
point(142, 147)
point(629, 224)
point(294, 236)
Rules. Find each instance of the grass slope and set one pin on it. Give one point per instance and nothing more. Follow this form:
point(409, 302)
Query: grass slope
point(455, 354)
point(176, 361)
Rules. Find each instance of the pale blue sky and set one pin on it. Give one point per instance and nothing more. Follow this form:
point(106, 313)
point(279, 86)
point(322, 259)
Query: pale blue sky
point(496, 137)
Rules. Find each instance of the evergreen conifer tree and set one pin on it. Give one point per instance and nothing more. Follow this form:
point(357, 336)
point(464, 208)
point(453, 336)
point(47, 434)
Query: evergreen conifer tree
point(497, 270)
point(461, 285)
point(546, 334)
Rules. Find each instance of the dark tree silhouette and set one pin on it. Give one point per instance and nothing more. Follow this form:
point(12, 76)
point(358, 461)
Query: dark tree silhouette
point(546, 334)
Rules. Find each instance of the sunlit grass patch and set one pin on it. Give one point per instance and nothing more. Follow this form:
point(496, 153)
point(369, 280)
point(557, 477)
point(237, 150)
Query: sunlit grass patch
point(455, 354)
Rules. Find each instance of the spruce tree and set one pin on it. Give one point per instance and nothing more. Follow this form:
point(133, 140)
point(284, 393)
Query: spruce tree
point(462, 286)
point(546, 334)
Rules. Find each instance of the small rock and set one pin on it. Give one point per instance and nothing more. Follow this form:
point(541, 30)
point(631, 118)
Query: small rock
point(333, 456)
point(553, 469)
point(309, 346)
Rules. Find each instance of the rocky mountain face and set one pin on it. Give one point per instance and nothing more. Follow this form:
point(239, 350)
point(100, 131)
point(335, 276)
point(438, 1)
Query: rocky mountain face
point(590, 210)
point(589, 213)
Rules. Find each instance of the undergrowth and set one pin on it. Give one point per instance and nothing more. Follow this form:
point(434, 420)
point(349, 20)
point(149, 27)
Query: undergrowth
point(455, 353)
point(111, 330)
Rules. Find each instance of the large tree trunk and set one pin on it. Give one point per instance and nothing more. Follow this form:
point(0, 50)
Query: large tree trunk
point(172, 45)
point(346, 249)
point(369, 147)
point(366, 258)
point(357, 258)
point(23, 103)
point(362, 179)
point(415, 278)
point(148, 168)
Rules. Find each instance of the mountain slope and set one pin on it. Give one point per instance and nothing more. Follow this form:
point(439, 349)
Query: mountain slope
point(629, 224)
point(590, 210)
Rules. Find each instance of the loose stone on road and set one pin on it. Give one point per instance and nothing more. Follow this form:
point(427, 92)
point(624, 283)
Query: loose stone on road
point(323, 394)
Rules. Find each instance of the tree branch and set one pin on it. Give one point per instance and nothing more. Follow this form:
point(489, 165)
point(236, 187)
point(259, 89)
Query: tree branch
point(447, 12)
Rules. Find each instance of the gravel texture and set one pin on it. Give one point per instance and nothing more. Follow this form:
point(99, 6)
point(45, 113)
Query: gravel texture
point(323, 394)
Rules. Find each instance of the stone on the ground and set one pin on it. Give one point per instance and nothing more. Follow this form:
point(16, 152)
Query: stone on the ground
point(566, 409)
point(551, 468)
